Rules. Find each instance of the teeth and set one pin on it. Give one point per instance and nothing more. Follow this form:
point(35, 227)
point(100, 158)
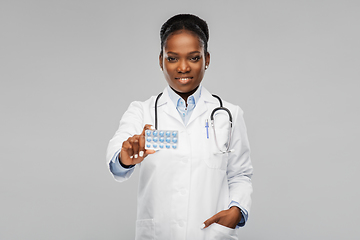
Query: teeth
point(184, 78)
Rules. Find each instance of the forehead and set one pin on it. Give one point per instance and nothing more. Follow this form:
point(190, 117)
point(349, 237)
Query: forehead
point(183, 40)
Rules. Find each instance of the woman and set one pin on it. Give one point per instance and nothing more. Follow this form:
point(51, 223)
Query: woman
point(195, 191)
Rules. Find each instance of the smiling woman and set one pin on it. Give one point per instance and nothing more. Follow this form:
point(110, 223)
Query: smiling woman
point(192, 192)
point(184, 62)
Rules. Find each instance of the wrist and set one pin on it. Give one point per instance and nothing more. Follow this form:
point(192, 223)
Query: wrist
point(237, 210)
point(122, 164)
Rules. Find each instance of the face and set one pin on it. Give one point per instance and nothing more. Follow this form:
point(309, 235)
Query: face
point(183, 62)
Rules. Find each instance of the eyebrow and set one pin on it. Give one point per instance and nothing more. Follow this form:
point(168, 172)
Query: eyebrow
point(178, 54)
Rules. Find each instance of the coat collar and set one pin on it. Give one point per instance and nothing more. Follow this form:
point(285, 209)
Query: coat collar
point(202, 105)
point(165, 104)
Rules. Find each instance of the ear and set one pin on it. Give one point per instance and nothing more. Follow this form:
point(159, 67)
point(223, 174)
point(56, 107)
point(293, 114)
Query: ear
point(207, 59)
point(161, 61)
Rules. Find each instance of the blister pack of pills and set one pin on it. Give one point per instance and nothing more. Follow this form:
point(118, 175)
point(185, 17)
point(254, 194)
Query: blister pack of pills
point(161, 139)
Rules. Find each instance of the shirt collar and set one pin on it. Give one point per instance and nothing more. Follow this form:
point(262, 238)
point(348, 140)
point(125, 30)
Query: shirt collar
point(193, 99)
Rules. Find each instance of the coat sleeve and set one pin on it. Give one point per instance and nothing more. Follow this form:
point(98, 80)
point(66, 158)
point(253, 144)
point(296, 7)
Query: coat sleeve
point(240, 170)
point(131, 123)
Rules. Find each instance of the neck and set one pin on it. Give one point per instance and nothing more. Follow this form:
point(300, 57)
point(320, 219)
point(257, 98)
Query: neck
point(185, 95)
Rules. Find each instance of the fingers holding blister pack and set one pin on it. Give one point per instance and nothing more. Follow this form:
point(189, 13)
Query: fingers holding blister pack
point(133, 149)
point(161, 139)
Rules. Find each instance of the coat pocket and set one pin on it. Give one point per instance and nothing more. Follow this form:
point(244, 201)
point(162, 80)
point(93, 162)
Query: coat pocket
point(211, 152)
point(145, 229)
point(219, 232)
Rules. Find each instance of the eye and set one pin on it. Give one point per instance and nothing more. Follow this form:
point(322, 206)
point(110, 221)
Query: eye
point(171, 59)
point(195, 59)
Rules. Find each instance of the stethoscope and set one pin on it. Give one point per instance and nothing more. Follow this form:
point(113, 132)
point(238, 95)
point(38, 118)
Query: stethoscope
point(211, 120)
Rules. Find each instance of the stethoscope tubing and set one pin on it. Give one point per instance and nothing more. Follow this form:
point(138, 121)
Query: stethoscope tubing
point(211, 118)
point(156, 101)
point(213, 127)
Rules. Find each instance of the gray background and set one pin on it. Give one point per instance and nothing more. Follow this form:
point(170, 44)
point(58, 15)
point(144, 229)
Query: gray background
point(69, 69)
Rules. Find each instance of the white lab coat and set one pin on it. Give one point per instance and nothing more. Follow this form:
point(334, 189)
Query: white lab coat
point(179, 189)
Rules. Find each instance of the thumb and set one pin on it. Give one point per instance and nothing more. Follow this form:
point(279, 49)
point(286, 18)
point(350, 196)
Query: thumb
point(208, 222)
point(149, 151)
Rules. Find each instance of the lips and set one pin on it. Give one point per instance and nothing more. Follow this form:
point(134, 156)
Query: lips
point(184, 79)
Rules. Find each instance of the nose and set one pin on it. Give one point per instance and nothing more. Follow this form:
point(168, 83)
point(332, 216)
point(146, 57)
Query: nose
point(183, 67)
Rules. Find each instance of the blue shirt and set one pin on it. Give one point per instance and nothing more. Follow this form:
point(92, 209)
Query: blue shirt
point(185, 114)
point(185, 111)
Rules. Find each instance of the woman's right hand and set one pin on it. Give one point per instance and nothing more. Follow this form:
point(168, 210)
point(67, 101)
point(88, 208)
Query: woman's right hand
point(133, 149)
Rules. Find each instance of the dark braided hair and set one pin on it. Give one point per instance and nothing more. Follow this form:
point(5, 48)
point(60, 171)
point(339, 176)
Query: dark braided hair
point(188, 22)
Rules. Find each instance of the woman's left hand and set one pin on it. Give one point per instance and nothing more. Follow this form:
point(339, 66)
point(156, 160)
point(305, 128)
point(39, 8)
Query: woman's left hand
point(228, 218)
